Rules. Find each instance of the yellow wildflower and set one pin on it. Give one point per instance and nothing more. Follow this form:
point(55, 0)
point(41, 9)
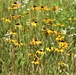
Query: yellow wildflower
point(38, 42)
point(46, 20)
point(59, 50)
point(3, 19)
point(36, 8)
point(59, 38)
point(61, 63)
point(40, 8)
point(68, 54)
point(13, 16)
point(11, 41)
point(72, 19)
point(54, 8)
point(18, 44)
point(49, 49)
point(16, 17)
point(34, 23)
point(7, 20)
point(35, 42)
point(40, 52)
point(62, 44)
point(12, 32)
point(44, 30)
point(33, 8)
point(30, 54)
point(32, 42)
point(44, 8)
point(14, 6)
point(18, 25)
point(26, 12)
point(54, 32)
point(49, 32)
point(20, 16)
point(36, 61)
point(58, 24)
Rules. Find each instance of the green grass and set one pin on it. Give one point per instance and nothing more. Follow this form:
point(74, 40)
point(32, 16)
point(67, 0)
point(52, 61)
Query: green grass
point(40, 42)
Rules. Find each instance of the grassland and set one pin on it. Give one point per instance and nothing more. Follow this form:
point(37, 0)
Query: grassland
point(37, 37)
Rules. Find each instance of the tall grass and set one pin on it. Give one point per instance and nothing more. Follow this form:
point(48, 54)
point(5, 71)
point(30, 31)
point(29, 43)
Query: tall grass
point(37, 37)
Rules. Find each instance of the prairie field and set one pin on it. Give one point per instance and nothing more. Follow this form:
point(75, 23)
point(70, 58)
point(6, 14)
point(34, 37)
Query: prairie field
point(37, 37)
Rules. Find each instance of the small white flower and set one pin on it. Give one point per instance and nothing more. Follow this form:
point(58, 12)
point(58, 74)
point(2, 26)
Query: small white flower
point(61, 9)
point(74, 34)
point(71, 27)
point(75, 56)
point(70, 35)
point(52, 43)
point(25, 1)
point(23, 6)
point(47, 14)
point(64, 31)
point(74, 0)
point(28, 9)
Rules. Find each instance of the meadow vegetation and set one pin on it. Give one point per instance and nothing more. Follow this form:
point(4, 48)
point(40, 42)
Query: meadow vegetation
point(37, 37)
